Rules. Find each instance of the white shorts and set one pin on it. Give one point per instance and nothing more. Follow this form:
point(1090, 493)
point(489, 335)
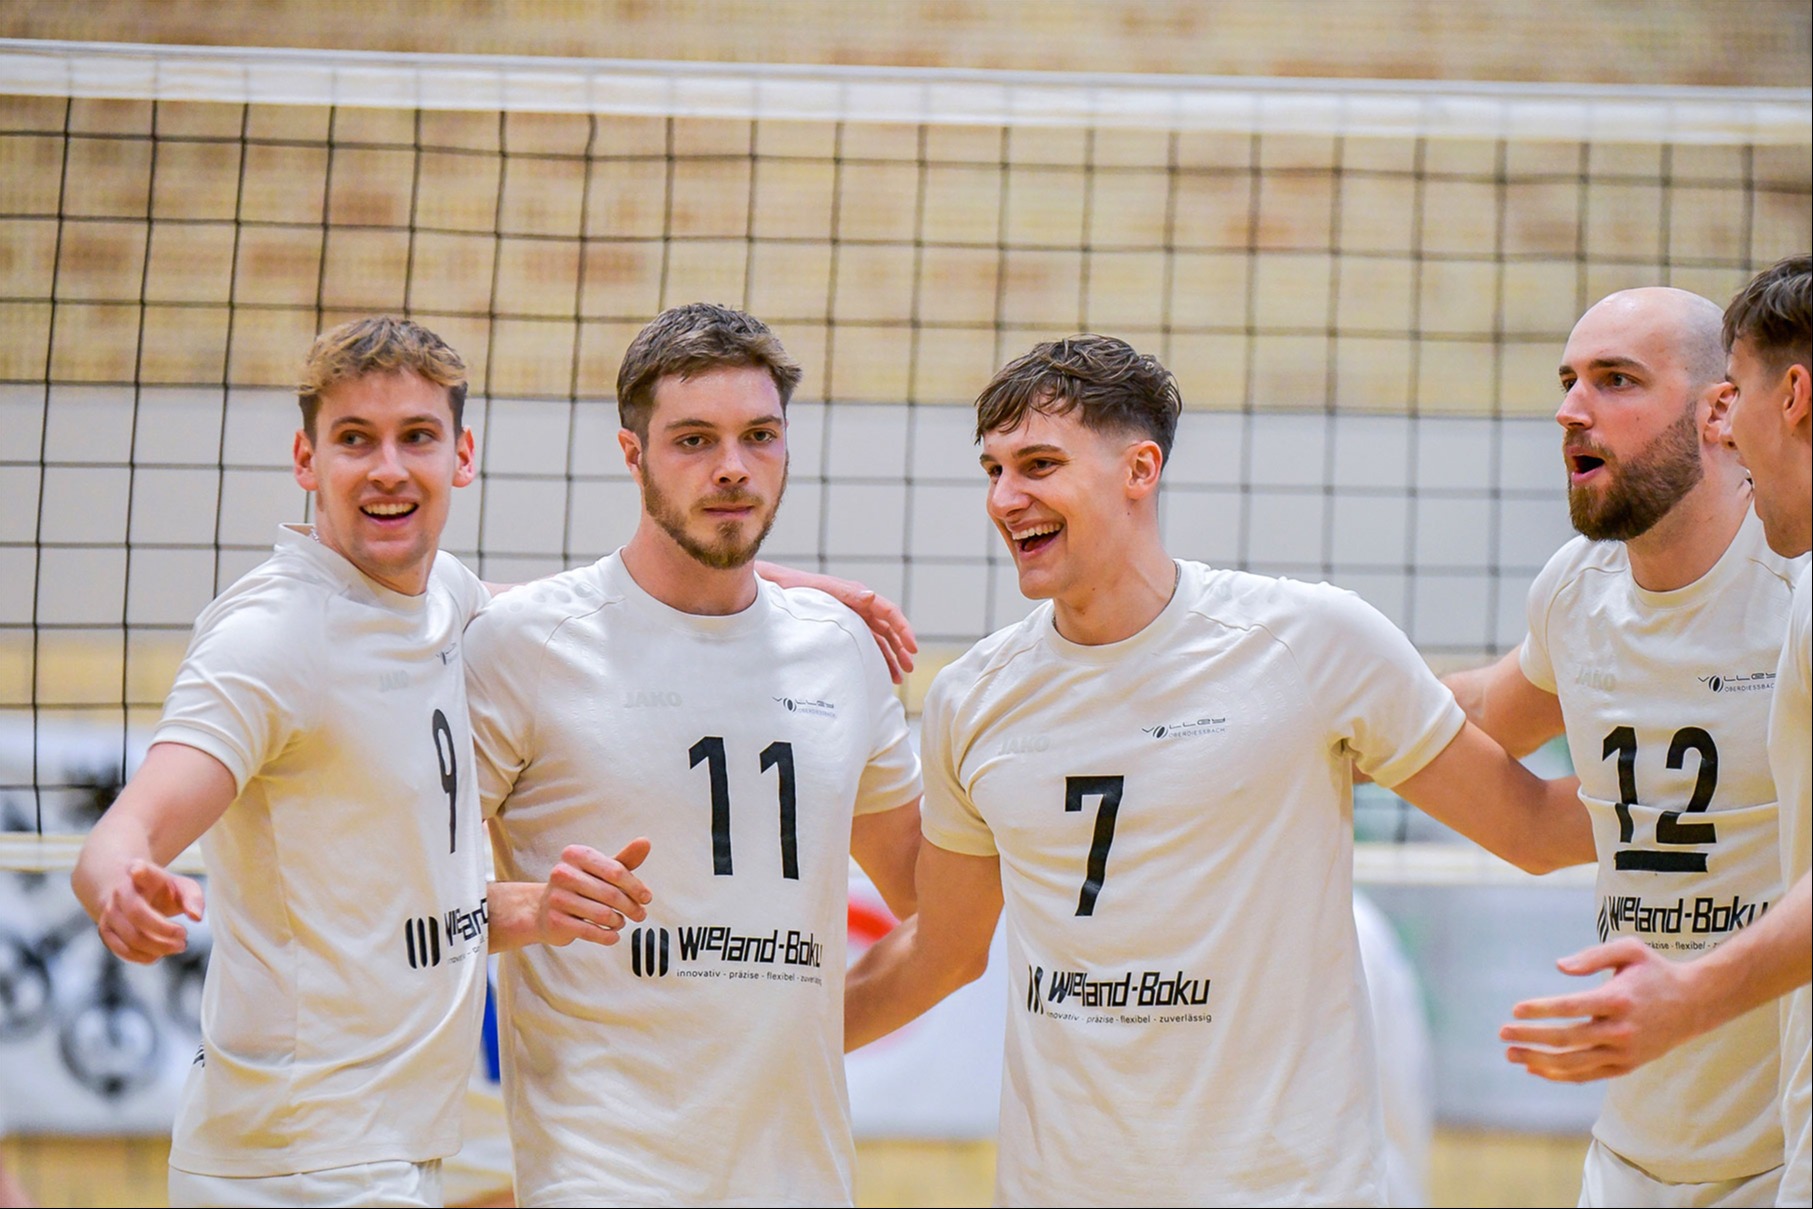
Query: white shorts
point(1609, 1180)
point(393, 1182)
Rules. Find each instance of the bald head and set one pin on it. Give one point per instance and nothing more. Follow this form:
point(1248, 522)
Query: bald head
point(1661, 325)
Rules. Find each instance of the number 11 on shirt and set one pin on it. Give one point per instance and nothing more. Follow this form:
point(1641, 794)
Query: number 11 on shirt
point(779, 755)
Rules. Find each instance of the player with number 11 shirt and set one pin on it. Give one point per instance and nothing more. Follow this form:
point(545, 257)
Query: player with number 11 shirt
point(752, 734)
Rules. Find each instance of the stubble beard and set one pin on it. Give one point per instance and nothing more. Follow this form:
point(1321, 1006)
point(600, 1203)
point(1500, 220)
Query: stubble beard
point(1643, 489)
point(725, 554)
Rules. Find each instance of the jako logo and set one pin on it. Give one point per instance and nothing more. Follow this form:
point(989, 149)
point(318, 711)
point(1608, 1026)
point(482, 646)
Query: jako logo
point(1035, 1002)
point(648, 952)
point(422, 937)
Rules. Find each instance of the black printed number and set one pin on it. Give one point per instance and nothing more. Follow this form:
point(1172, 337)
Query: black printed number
point(1108, 791)
point(450, 775)
point(1622, 742)
point(777, 755)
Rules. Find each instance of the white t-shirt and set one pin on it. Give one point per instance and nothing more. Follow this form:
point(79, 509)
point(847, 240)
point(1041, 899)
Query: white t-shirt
point(700, 1061)
point(342, 1005)
point(1173, 815)
point(1666, 701)
point(1791, 762)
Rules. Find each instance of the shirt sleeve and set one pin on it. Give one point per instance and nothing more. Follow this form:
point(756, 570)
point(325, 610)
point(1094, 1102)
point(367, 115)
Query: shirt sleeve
point(501, 677)
point(1533, 656)
point(1383, 703)
point(891, 777)
point(948, 817)
point(245, 688)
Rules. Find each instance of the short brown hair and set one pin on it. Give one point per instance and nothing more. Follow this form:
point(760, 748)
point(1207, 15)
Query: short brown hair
point(1774, 313)
point(696, 338)
point(380, 345)
point(1111, 386)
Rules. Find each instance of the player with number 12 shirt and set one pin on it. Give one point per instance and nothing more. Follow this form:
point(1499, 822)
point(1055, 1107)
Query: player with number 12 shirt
point(1153, 773)
point(752, 734)
point(1653, 642)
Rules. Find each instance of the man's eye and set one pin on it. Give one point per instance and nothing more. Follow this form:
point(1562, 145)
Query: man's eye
point(763, 436)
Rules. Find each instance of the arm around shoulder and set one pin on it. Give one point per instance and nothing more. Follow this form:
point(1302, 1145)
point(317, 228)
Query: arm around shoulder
point(1502, 701)
point(944, 946)
point(1474, 786)
point(176, 795)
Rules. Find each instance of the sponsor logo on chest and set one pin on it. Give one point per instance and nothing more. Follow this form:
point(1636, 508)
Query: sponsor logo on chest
point(1150, 996)
point(1634, 915)
point(1739, 682)
point(720, 951)
point(1206, 724)
point(428, 940)
point(810, 707)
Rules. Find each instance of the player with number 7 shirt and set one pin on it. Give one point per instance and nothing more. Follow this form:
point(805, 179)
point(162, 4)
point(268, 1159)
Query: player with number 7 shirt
point(1153, 773)
point(753, 735)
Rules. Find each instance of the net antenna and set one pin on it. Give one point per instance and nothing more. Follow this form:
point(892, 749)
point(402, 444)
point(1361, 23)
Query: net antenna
point(1363, 287)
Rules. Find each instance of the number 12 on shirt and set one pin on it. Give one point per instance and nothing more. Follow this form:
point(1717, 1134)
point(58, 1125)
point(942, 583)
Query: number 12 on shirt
point(779, 755)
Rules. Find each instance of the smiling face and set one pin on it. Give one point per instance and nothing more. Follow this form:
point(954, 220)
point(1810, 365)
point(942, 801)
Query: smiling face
point(1633, 383)
point(714, 464)
point(1067, 500)
point(383, 463)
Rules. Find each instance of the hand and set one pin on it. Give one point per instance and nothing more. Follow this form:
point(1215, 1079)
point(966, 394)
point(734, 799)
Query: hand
point(893, 633)
point(1642, 1012)
point(135, 919)
point(590, 896)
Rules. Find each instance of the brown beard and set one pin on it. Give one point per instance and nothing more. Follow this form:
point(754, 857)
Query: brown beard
point(1643, 489)
point(725, 554)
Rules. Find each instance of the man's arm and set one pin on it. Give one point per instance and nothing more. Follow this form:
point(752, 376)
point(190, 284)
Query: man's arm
point(588, 896)
point(886, 845)
point(1650, 1005)
point(941, 948)
point(1500, 700)
point(1475, 787)
point(893, 634)
point(176, 794)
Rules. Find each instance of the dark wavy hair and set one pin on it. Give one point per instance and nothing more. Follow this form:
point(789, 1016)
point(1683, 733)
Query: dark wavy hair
point(1110, 386)
point(1774, 314)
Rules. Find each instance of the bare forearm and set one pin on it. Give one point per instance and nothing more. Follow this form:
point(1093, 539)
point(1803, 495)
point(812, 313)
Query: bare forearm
point(115, 842)
point(897, 981)
point(1501, 701)
point(1760, 963)
point(1487, 796)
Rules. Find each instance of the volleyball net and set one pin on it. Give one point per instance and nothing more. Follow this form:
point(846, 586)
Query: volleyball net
point(1363, 288)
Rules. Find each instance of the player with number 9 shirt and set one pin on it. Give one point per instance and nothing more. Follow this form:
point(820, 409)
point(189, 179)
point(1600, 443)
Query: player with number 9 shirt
point(317, 734)
point(1653, 641)
point(752, 734)
point(1153, 773)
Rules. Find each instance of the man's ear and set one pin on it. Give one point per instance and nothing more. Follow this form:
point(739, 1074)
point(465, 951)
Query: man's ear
point(1145, 460)
point(1798, 406)
point(302, 462)
point(1714, 425)
point(632, 451)
point(467, 468)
